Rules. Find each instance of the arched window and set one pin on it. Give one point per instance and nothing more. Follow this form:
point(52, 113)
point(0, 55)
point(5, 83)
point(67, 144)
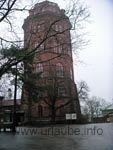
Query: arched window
point(59, 49)
point(58, 28)
point(61, 91)
point(36, 46)
point(34, 28)
point(59, 70)
point(38, 28)
point(41, 47)
point(39, 68)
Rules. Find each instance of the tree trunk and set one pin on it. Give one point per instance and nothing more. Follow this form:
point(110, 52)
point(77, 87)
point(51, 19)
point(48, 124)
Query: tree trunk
point(53, 115)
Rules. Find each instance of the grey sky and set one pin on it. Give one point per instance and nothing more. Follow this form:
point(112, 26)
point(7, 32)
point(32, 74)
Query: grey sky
point(98, 56)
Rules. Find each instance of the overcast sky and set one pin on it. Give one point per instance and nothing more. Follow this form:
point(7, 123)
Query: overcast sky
point(98, 56)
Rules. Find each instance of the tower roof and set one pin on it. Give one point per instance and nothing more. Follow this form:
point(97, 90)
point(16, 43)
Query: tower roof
point(46, 6)
point(46, 3)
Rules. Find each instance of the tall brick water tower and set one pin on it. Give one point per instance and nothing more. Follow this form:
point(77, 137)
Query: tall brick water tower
point(47, 33)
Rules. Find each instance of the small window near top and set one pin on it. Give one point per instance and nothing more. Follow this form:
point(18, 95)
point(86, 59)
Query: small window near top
point(61, 91)
point(59, 70)
point(43, 9)
point(39, 68)
point(60, 28)
point(38, 28)
point(59, 49)
point(34, 29)
point(42, 46)
point(36, 46)
point(56, 27)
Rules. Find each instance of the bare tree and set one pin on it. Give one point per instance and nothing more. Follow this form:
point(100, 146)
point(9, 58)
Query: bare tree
point(91, 106)
point(58, 87)
point(77, 13)
point(83, 91)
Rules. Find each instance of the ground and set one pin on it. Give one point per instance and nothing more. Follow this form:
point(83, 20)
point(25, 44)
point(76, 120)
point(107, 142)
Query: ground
point(72, 137)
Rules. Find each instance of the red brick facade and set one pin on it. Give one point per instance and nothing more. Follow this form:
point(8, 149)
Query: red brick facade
point(47, 32)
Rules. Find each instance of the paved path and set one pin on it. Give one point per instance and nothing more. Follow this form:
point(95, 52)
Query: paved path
point(73, 137)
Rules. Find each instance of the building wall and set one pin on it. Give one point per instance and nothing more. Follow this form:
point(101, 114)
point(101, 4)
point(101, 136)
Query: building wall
point(47, 32)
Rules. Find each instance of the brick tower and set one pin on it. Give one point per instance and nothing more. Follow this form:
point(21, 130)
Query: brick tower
point(47, 34)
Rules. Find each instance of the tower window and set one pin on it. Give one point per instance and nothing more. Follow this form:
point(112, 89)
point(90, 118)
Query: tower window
point(55, 47)
point(59, 70)
point(38, 28)
point(43, 9)
point(61, 91)
point(59, 49)
point(34, 29)
point(39, 68)
point(58, 28)
point(42, 46)
point(36, 46)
